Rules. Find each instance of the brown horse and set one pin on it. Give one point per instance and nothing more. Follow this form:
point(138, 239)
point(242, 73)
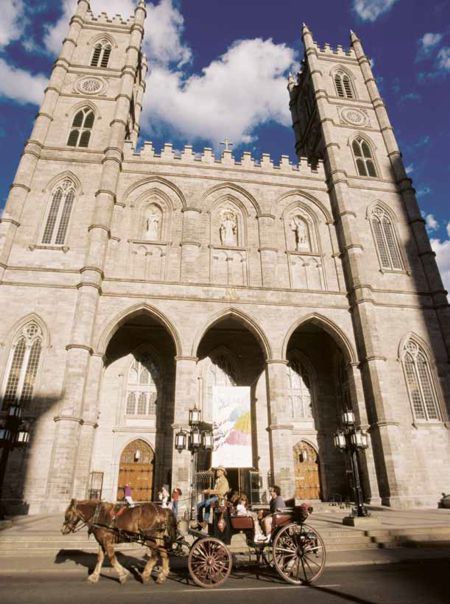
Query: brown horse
point(147, 523)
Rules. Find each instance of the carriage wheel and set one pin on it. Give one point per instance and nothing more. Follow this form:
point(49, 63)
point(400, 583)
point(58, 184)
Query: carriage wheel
point(209, 562)
point(299, 554)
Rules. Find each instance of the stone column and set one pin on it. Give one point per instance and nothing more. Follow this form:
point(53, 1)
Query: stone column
point(186, 396)
point(282, 460)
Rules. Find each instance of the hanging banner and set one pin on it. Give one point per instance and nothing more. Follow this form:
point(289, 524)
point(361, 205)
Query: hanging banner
point(232, 428)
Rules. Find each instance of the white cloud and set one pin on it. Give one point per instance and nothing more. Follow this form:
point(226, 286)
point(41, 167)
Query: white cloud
point(448, 229)
point(442, 250)
point(164, 26)
point(409, 168)
point(11, 21)
point(431, 223)
point(443, 59)
point(221, 101)
point(428, 42)
point(21, 85)
point(370, 10)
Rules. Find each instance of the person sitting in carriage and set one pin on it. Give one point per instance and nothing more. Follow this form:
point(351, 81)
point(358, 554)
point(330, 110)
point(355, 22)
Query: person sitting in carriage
point(217, 493)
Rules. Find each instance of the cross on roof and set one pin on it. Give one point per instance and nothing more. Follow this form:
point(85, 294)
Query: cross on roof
point(227, 144)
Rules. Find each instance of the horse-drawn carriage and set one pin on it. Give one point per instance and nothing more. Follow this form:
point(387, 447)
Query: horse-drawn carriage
point(294, 549)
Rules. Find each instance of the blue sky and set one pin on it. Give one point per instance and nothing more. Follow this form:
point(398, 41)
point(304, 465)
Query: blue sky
point(219, 67)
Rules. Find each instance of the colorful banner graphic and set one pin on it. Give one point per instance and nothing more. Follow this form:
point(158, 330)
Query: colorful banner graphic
point(232, 427)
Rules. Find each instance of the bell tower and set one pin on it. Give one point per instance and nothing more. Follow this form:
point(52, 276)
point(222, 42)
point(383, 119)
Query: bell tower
point(340, 118)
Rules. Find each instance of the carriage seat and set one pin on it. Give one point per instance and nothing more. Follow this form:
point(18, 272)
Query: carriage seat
point(242, 523)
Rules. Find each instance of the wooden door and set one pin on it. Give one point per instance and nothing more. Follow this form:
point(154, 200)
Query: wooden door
point(307, 478)
point(136, 469)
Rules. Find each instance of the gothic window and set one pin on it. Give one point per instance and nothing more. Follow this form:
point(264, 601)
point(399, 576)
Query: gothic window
point(343, 85)
point(23, 365)
point(363, 157)
point(59, 213)
point(386, 240)
point(419, 380)
point(82, 125)
point(299, 390)
point(142, 391)
point(100, 56)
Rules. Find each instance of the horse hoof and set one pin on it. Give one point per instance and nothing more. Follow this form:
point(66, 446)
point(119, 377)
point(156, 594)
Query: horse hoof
point(161, 579)
point(123, 578)
point(145, 579)
point(92, 579)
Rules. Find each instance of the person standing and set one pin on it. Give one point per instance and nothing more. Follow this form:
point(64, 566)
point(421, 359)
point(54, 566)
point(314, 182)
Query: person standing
point(175, 500)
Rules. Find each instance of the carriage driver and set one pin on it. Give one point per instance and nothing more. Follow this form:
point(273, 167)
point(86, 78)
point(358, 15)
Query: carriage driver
point(221, 488)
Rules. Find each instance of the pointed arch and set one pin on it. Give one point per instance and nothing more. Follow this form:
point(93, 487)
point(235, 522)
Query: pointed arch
point(103, 36)
point(59, 211)
point(344, 82)
point(124, 316)
point(247, 320)
point(420, 378)
point(299, 197)
point(302, 380)
point(363, 151)
point(82, 126)
point(137, 191)
point(227, 187)
point(67, 174)
point(26, 344)
point(383, 223)
point(333, 330)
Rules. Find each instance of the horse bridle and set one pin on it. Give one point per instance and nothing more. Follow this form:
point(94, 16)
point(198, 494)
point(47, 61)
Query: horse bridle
point(71, 524)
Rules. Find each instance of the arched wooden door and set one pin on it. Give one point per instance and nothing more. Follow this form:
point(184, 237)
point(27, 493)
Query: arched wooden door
point(136, 469)
point(307, 478)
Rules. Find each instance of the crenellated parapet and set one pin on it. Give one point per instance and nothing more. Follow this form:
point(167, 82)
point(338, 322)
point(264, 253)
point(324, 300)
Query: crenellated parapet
point(207, 157)
point(338, 51)
point(104, 18)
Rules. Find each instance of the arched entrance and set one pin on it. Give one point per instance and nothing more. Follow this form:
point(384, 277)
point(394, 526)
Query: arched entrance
point(136, 398)
point(319, 389)
point(136, 469)
point(234, 400)
point(306, 467)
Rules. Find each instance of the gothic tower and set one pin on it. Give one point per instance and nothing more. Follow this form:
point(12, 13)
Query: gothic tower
point(91, 106)
point(339, 118)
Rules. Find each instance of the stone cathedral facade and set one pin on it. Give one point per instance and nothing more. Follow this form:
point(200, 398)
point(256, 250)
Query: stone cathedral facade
point(134, 282)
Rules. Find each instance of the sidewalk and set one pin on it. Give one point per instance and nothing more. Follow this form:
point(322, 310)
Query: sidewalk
point(35, 544)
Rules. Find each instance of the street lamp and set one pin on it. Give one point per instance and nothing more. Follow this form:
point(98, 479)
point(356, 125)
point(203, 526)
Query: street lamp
point(13, 434)
point(352, 440)
point(198, 437)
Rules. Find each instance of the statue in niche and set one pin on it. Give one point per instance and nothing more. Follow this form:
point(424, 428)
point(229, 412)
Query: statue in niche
point(228, 229)
point(152, 222)
point(298, 225)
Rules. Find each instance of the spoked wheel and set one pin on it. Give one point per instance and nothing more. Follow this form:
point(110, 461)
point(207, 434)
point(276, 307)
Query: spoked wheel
point(209, 562)
point(299, 554)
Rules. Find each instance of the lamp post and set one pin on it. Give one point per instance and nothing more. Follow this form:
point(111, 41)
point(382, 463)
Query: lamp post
point(352, 440)
point(198, 437)
point(13, 433)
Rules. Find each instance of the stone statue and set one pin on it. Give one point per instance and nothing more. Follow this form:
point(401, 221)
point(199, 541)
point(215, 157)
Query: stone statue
point(228, 229)
point(300, 229)
point(152, 225)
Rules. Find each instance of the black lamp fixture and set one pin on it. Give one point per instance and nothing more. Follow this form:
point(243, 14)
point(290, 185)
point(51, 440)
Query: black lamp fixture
point(198, 437)
point(352, 440)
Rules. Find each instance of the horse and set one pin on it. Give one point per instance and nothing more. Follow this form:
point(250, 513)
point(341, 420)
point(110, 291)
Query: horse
point(146, 523)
